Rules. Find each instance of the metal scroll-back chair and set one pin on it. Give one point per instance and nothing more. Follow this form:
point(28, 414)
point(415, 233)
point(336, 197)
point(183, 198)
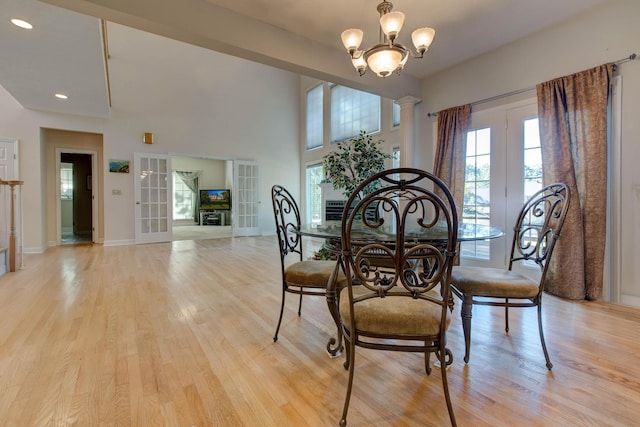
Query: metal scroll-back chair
point(398, 308)
point(535, 234)
point(299, 276)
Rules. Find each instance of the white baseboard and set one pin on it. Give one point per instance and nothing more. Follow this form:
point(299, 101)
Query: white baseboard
point(630, 300)
point(119, 242)
point(34, 250)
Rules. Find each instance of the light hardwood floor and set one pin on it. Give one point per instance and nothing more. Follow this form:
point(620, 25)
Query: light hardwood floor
point(180, 334)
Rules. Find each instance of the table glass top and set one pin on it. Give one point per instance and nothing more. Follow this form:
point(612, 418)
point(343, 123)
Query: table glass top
point(466, 232)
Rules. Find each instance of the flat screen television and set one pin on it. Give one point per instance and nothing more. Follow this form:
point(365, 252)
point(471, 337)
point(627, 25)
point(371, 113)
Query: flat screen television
point(215, 200)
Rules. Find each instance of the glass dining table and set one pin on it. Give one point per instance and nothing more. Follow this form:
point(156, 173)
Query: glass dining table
point(331, 232)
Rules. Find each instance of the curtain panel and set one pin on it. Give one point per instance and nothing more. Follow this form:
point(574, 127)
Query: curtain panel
point(451, 153)
point(451, 150)
point(572, 113)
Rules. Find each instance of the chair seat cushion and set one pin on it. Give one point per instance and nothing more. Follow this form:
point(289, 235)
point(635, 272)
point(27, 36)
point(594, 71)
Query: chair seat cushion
point(393, 315)
point(312, 274)
point(493, 282)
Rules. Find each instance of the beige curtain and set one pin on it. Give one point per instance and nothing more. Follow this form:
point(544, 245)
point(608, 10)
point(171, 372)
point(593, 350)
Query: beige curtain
point(572, 112)
point(449, 165)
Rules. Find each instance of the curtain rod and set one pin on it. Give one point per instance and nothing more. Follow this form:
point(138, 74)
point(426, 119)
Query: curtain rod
point(519, 91)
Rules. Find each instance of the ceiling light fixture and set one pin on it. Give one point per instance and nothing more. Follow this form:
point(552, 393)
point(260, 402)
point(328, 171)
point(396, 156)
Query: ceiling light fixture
point(21, 23)
point(61, 96)
point(387, 56)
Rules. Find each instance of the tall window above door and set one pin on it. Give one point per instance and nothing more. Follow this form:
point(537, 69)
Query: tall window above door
point(353, 111)
point(314, 124)
point(395, 119)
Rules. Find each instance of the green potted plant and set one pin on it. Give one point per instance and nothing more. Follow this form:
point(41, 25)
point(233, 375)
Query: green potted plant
point(353, 161)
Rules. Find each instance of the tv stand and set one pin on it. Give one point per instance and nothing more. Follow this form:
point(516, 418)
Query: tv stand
point(213, 218)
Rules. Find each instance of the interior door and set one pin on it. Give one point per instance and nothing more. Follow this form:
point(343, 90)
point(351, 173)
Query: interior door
point(246, 201)
point(153, 198)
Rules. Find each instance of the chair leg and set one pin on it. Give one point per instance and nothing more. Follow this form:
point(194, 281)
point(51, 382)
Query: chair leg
point(347, 349)
point(506, 315)
point(427, 360)
point(351, 355)
point(445, 386)
point(275, 337)
point(300, 306)
point(544, 346)
point(467, 305)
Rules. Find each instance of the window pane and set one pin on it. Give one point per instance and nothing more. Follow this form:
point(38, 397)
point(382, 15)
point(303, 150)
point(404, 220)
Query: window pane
point(314, 176)
point(395, 157)
point(66, 181)
point(314, 117)
point(477, 197)
point(532, 158)
point(352, 111)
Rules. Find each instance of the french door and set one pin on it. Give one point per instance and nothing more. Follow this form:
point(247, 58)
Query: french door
point(503, 169)
point(246, 200)
point(153, 198)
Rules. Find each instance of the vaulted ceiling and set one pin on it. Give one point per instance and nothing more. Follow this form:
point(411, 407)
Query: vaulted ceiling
point(64, 52)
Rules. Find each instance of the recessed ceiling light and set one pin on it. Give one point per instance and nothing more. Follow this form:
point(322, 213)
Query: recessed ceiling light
point(61, 96)
point(22, 24)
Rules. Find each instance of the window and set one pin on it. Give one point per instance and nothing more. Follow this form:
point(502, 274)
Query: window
point(182, 199)
point(314, 176)
point(315, 135)
point(395, 157)
point(66, 181)
point(352, 111)
point(396, 115)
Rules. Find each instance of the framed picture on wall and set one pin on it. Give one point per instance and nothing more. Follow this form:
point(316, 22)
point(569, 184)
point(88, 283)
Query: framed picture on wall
point(119, 166)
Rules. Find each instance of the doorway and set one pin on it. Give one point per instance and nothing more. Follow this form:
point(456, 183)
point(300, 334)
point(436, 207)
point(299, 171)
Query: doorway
point(76, 198)
point(188, 222)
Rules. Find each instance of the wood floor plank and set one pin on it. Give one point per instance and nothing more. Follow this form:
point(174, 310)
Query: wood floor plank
point(181, 334)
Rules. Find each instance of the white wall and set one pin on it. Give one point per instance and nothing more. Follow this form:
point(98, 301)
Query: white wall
point(213, 172)
point(221, 107)
point(605, 34)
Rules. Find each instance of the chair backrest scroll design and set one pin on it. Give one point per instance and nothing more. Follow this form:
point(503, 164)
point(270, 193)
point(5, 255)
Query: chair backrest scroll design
point(408, 201)
point(287, 217)
point(539, 225)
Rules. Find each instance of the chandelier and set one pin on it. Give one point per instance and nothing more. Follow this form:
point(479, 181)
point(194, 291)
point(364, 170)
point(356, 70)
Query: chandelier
point(387, 56)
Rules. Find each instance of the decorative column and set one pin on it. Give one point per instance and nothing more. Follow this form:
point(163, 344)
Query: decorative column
point(407, 133)
point(12, 234)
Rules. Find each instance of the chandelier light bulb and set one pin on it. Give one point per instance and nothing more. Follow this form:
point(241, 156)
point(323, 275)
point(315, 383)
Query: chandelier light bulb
point(422, 38)
point(359, 64)
point(383, 61)
point(352, 38)
point(391, 24)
